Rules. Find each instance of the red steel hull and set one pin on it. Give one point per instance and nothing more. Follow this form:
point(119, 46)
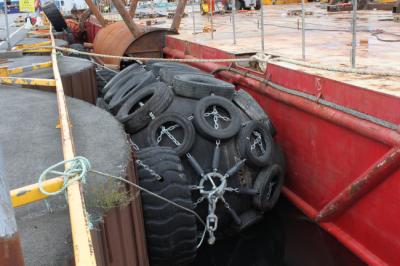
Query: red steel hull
point(340, 168)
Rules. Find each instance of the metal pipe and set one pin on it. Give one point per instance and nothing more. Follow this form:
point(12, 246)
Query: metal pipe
point(354, 32)
point(134, 29)
point(194, 22)
point(262, 26)
point(303, 33)
point(93, 8)
point(10, 245)
point(132, 8)
point(366, 182)
point(365, 125)
point(180, 9)
point(233, 20)
point(31, 193)
point(7, 27)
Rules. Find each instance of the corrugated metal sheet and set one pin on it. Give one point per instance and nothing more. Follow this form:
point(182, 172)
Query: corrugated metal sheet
point(121, 238)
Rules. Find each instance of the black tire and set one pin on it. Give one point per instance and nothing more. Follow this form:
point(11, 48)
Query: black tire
point(269, 184)
point(171, 232)
point(167, 74)
point(130, 88)
point(54, 16)
point(258, 5)
point(186, 138)
point(199, 86)
point(101, 103)
point(227, 129)
point(148, 64)
point(156, 100)
point(130, 77)
point(119, 76)
point(103, 76)
point(252, 109)
point(156, 67)
point(261, 154)
point(151, 152)
point(278, 157)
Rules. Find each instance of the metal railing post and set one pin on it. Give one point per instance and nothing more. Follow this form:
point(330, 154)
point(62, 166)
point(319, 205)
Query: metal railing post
point(233, 20)
point(7, 27)
point(179, 12)
point(354, 31)
point(10, 246)
point(211, 6)
point(303, 32)
point(194, 20)
point(262, 26)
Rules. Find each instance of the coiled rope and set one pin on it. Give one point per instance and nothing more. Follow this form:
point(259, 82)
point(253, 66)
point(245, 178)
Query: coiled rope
point(77, 170)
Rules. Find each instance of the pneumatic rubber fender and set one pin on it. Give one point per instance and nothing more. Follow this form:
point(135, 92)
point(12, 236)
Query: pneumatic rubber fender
point(137, 111)
point(199, 86)
point(128, 78)
point(156, 67)
point(167, 74)
point(171, 232)
point(252, 109)
point(186, 136)
point(130, 88)
point(248, 149)
point(121, 75)
point(269, 184)
point(206, 127)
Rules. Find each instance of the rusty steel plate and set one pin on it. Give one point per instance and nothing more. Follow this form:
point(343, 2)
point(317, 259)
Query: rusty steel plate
point(116, 39)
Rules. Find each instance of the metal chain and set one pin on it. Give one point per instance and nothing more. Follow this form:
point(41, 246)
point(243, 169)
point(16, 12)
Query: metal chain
point(148, 169)
point(257, 141)
point(216, 116)
point(199, 200)
point(166, 131)
point(212, 218)
point(231, 189)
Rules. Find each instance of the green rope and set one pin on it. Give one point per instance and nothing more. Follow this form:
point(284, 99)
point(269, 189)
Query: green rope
point(77, 170)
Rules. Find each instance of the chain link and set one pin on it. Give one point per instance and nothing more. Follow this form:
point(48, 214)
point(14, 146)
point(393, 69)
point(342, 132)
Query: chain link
point(257, 141)
point(167, 131)
point(148, 169)
point(199, 200)
point(231, 189)
point(216, 116)
point(212, 218)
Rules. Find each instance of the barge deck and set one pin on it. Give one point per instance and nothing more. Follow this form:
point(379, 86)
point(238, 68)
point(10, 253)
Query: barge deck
point(327, 41)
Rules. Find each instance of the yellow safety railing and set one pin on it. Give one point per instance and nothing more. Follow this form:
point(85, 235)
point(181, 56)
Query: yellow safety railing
point(82, 241)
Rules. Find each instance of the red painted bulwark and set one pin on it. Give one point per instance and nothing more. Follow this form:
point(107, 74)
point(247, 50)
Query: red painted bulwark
point(325, 155)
